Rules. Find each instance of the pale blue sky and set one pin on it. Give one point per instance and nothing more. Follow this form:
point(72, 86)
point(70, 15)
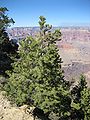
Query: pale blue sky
point(57, 12)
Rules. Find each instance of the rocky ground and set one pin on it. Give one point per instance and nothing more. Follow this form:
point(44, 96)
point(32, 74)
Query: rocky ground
point(11, 112)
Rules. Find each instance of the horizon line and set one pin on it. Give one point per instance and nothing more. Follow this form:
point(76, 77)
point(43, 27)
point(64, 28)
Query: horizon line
point(52, 26)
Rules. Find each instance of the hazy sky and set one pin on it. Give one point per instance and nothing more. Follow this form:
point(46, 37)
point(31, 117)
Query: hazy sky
point(57, 12)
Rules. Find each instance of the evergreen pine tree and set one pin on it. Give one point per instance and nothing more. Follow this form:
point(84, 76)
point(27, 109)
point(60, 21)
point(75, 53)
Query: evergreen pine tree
point(80, 101)
point(6, 46)
point(37, 77)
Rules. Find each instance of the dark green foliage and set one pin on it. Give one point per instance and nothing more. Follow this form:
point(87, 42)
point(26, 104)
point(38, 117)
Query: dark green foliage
point(80, 101)
point(5, 63)
point(7, 48)
point(5, 21)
